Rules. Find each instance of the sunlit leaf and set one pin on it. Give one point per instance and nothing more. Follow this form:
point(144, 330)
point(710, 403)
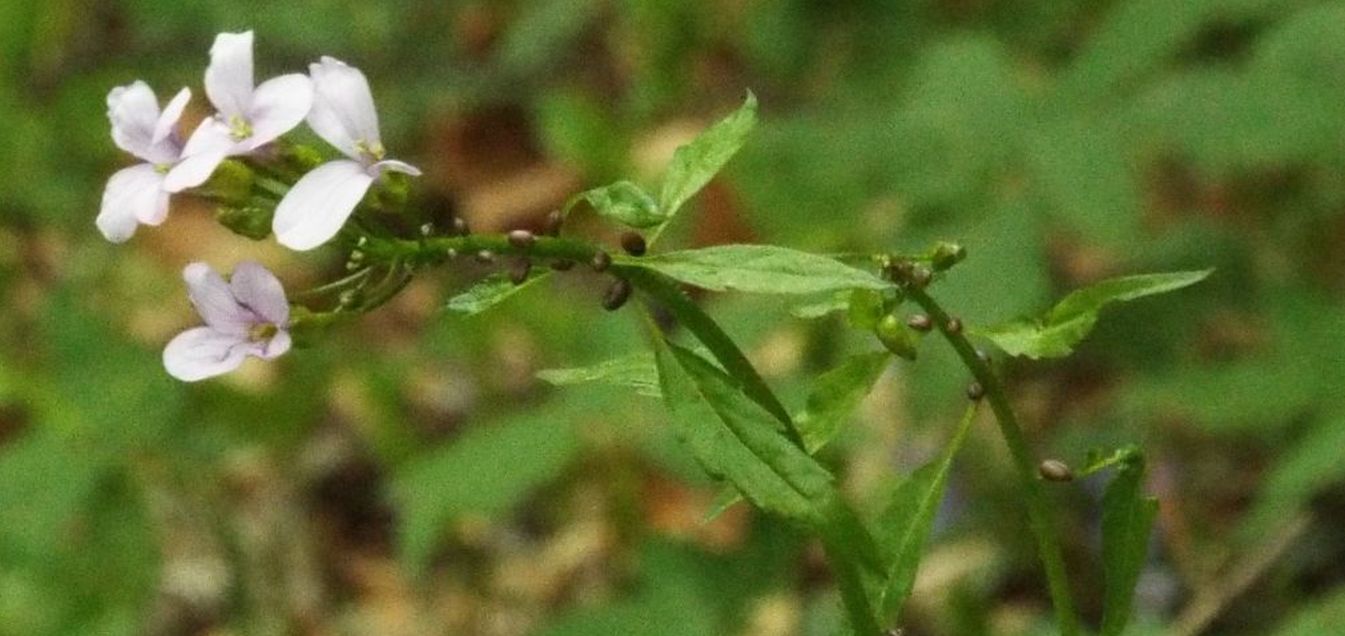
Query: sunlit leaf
point(761, 269)
point(1069, 322)
point(625, 203)
point(1127, 517)
point(694, 164)
point(490, 291)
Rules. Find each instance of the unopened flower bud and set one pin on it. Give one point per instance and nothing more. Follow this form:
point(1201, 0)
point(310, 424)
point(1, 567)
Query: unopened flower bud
point(230, 184)
point(522, 239)
point(251, 221)
point(633, 243)
point(392, 191)
point(601, 261)
point(1055, 470)
point(617, 295)
point(300, 159)
point(946, 255)
point(896, 337)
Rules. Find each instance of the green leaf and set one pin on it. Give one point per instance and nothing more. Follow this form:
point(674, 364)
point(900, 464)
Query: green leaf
point(479, 473)
point(905, 524)
point(760, 269)
point(490, 291)
point(815, 309)
point(625, 203)
point(1127, 517)
point(1324, 615)
point(635, 371)
point(1069, 322)
point(835, 395)
point(737, 440)
point(694, 164)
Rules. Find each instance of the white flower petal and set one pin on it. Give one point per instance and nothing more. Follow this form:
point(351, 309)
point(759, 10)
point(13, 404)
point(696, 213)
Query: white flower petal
point(392, 165)
point(256, 288)
point(167, 121)
point(214, 301)
point(192, 171)
point(212, 135)
point(134, 112)
point(278, 105)
point(318, 205)
point(131, 194)
point(228, 79)
point(276, 346)
point(202, 352)
point(343, 108)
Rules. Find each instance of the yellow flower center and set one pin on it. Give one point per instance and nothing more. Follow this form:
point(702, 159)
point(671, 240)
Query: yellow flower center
point(374, 151)
point(262, 332)
point(239, 128)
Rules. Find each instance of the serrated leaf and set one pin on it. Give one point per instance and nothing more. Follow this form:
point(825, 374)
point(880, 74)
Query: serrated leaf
point(694, 164)
point(488, 292)
point(835, 395)
point(762, 269)
point(905, 524)
point(1071, 319)
point(625, 203)
point(635, 371)
point(1127, 518)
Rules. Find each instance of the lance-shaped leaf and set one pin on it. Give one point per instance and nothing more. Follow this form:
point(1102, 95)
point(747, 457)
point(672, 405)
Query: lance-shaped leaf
point(694, 164)
point(835, 395)
point(1056, 334)
point(490, 291)
point(737, 440)
point(762, 269)
point(635, 371)
point(1127, 517)
point(623, 202)
point(905, 524)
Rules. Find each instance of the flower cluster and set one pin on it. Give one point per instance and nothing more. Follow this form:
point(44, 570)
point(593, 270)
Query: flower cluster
point(248, 315)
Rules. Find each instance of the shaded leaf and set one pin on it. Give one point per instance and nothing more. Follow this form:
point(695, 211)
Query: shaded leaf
point(1321, 616)
point(835, 395)
point(761, 269)
point(625, 203)
point(1127, 517)
point(1071, 319)
point(906, 523)
point(488, 292)
point(635, 371)
point(694, 164)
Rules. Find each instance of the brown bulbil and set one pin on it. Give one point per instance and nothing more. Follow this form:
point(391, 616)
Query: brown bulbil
point(553, 222)
point(485, 257)
point(634, 244)
point(975, 391)
point(522, 239)
point(1055, 470)
point(954, 325)
point(519, 272)
point(601, 261)
point(617, 295)
point(920, 322)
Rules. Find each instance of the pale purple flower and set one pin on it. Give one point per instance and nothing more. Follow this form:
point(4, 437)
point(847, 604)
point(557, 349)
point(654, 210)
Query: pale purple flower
point(343, 114)
point(246, 316)
point(136, 194)
point(248, 116)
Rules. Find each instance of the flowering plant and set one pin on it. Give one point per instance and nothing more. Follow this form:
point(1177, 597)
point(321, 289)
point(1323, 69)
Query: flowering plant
point(721, 408)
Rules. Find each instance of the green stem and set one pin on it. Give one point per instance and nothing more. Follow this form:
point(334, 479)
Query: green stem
point(428, 250)
point(1038, 507)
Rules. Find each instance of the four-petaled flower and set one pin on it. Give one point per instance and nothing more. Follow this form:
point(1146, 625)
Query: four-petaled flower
point(248, 116)
point(136, 194)
point(343, 114)
point(246, 316)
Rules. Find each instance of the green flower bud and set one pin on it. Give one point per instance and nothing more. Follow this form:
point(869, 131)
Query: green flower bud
point(299, 158)
point(897, 337)
point(251, 221)
point(945, 255)
point(391, 191)
point(230, 184)
point(306, 327)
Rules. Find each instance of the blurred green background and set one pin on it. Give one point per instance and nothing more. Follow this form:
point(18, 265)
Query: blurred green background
point(410, 475)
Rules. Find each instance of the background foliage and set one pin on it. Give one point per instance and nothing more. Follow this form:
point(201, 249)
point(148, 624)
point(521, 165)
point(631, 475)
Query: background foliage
point(411, 475)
